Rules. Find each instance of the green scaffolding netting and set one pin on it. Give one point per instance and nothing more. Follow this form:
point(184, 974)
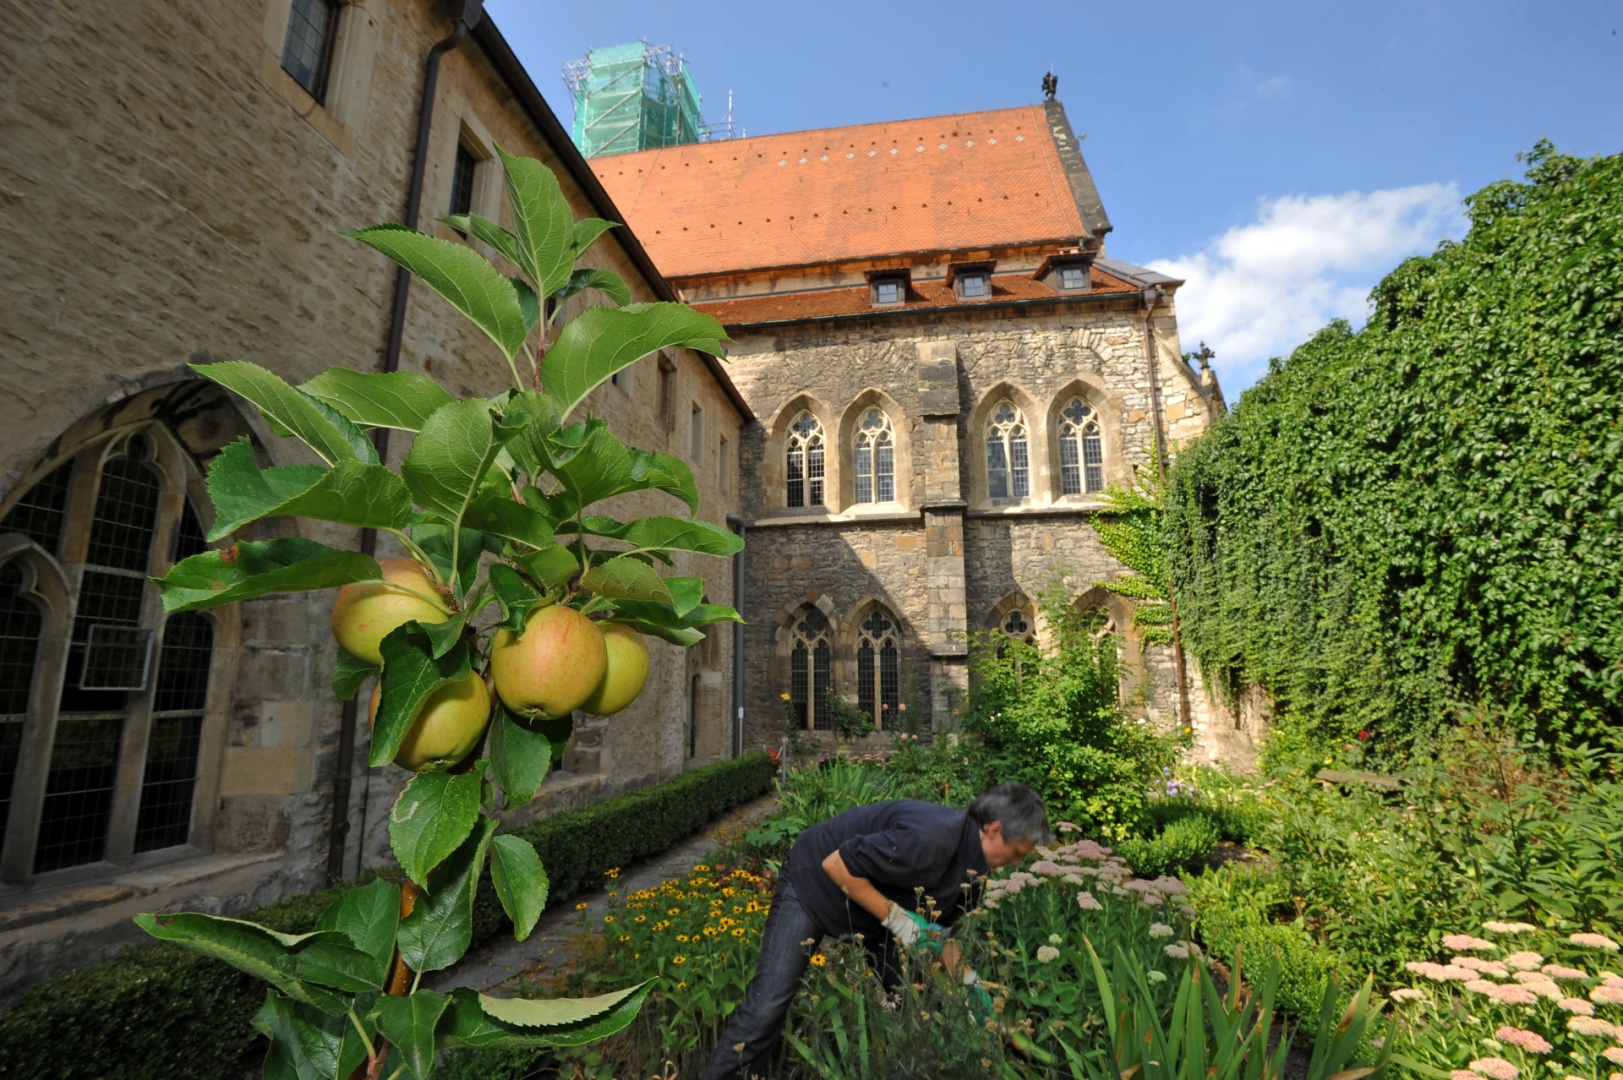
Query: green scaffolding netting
point(633, 97)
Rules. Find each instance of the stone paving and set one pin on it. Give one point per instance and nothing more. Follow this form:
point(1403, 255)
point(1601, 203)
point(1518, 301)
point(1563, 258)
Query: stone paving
point(502, 960)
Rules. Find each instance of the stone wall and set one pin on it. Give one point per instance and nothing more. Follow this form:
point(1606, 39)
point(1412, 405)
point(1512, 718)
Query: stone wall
point(169, 196)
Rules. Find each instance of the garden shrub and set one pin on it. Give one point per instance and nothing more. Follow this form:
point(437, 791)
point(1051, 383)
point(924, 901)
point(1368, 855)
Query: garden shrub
point(158, 1011)
point(1182, 847)
point(1427, 512)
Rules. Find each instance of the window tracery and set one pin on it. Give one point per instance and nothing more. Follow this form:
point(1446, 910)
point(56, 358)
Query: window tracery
point(804, 447)
point(810, 658)
point(1008, 466)
point(875, 454)
point(879, 683)
point(1081, 449)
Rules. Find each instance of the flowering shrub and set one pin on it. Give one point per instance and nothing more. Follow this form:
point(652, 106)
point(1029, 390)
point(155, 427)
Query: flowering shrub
point(1525, 1002)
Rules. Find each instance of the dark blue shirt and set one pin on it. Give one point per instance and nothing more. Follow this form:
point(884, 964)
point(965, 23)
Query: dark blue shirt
point(901, 847)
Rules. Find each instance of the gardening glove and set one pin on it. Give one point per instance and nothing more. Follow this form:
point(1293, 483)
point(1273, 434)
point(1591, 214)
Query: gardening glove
point(980, 1002)
point(907, 926)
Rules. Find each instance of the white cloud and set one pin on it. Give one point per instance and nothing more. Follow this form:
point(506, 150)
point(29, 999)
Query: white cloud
point(1263, 288)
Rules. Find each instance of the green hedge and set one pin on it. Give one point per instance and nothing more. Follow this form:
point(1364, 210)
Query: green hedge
point(1426, 514)
point(161, 1012)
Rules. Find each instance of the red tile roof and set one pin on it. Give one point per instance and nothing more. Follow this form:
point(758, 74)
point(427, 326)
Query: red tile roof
point(922, 295)
point(947, 183)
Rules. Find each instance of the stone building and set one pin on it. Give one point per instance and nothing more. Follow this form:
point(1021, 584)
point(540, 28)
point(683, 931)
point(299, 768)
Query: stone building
point(947, 369)
point(170, 183)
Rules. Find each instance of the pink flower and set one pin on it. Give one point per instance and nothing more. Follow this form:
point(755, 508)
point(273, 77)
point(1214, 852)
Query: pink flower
point(1614, 1054)
point(1047, 953)
point(1463, 1074)
point(1495, 1068)
point(1509, 927)
point(1556, 971)
point(1050, 868)
point(1524, 961)
point(1590, 1025)
point(1177, 952)
point(1160, 930)
point(1466, 943)
point(1530, 1041)
point(1408, 993)
point(1607, 994)
point(1085, 900)
point(1476, 963)
point(1594, 941)
point(1481, 986)
point(1067, 826)
point(1511, 994)
point(1576, 1005)
point(1439, 972)
point(1170, 886)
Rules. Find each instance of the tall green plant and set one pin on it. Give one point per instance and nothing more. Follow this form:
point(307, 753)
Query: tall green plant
point(1425, 514)
point(1132, 530)
point(493, 502)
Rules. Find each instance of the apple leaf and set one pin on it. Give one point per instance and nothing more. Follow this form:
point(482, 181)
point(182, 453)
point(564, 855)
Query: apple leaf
point(350, 493)
point(440, 927)
point(626, 577)
point(459, 274)
point(305, 1042)
point(664, 534)
point(325, 430)
point(521, 883)
point(409, 1023)
point(256, 567)
point(349, 672)
point(259, 951)
point(551, 566)
point(446, 466)
point(368, 916)
point(543, 223)
point(432, 816)
point(586, 232)
point(601, 340)
point(472, 1019)
point(482, 228)
point(499, 515)
point(403, 400)
point(411, 672)
point(604, 281)
point(520, 756)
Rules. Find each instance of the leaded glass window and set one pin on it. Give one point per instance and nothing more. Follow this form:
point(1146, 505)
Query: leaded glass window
point(879, 684)
point(307, 52)
point(805, 461)
point(1081, 449)
point(20, 627)
point(875, 458)
point(810, 663)
point(1008, 466)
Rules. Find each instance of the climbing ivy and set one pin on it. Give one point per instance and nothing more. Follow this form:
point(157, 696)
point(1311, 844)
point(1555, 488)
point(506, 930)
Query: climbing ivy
point(1132, 529)
point(1426, 516)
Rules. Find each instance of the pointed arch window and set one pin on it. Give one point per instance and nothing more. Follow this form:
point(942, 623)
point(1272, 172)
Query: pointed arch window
point(1008, 465)
point(1081, 449)
point(875, 453)
point(879, 682)
point(809, 666)
point(133, 683)
point(805, 449)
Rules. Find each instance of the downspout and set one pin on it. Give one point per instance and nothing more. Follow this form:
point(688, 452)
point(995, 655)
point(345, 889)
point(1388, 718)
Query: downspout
point(464, 14)
point(739, 526)
point(1151, 296)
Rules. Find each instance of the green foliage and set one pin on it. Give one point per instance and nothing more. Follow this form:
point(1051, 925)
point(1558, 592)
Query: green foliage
point(1132, 529)
point(813, 795)
point(161, 1011)
point(1181, 847)
point(1048, 716)
point(1426, 513)
point(849, 721)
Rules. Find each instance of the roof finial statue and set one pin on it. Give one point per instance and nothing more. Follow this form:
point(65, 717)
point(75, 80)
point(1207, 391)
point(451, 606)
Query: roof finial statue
point(1050, 84)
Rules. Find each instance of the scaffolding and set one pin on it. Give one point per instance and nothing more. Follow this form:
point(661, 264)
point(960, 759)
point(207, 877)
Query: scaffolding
point(637, 97)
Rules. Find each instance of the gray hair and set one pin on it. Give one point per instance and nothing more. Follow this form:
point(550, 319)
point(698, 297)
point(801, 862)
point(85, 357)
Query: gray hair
point(1019, 808)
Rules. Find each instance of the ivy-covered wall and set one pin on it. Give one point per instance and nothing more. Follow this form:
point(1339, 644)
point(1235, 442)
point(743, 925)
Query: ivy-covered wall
point(1423, 520)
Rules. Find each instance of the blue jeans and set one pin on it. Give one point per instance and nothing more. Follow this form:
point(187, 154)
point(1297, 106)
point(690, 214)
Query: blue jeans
point(753, 1031)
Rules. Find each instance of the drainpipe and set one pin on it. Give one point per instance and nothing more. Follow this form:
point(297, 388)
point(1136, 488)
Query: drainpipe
point(464, 14)
point(738, 525)
point(1151, 296)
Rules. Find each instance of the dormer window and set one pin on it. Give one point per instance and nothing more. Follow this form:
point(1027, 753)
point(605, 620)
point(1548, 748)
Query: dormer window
point(1066, 272)
point(1073, 277)
point(888, 287)
point(971, 281)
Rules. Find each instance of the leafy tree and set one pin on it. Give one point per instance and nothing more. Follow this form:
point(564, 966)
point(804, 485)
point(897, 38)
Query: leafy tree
point(492, 503)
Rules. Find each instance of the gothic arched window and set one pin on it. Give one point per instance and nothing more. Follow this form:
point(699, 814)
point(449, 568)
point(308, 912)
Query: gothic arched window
point(134, 683)
point(879, 681)
point(1008, 467)
point(805, 460)
point(809, 663)
point(875, 458)
point(1081, 449)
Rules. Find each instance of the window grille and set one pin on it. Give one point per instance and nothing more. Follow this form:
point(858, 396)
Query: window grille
point(887, 291)
point(1073, 277)
point(879, 684)
point(20, 627)
point(1008, 470)
point(307, 52)
point(1081, 449)
point(972, 286)
point(875, 455)
point(805, 462)
point(809, 667)
point(178, 701)
point(38, 514)
point(462, 170)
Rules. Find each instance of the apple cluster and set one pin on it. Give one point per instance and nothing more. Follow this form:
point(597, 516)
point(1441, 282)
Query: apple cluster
point(560, 662)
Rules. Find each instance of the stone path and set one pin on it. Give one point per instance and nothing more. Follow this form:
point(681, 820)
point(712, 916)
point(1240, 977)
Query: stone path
point(501, 960)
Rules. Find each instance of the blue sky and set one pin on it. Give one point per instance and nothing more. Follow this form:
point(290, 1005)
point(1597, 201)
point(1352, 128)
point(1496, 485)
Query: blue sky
point(1280, 156)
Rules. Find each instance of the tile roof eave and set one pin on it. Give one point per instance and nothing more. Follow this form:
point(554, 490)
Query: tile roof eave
point(528, 96)
point(892, 313)
point(682, 280)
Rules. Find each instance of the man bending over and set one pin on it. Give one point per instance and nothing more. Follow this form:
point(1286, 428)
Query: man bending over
point(861, 873)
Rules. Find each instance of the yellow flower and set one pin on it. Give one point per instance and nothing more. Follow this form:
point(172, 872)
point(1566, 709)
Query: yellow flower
point(701, 868)
point(625, 937)
point(580, 907)
point(679, 959)
point(783, 697)
point(681, 986)
point(682, 938)
point(738, 932)
point(819, 959)
point(642, 918)
point(612, 872)
point(608, 918)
